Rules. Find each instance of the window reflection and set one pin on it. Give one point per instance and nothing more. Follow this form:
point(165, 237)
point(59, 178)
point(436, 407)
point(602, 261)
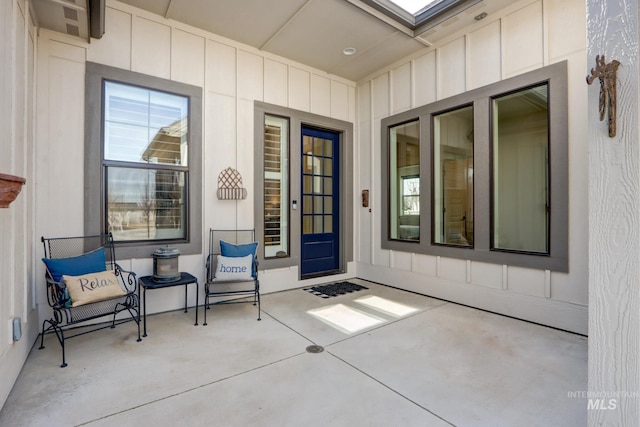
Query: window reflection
point(453, 177)
point(404, 181)
point(145, 204)
point(145, 157)
point(520, 170)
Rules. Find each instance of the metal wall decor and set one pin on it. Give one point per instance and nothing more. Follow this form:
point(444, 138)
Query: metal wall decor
point(230, 185)
point(607, 75)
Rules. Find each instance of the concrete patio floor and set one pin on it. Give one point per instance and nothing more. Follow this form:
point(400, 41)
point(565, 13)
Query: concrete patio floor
point(442, 364)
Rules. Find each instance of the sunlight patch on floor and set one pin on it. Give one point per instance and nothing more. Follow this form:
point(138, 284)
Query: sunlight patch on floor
point(386, 306)
point(345, 319)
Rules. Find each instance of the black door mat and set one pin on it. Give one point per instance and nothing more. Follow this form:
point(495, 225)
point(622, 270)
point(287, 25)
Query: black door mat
point(334, 289)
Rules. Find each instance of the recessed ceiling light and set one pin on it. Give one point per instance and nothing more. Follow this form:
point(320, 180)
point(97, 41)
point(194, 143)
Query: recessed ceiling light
point(349, 51)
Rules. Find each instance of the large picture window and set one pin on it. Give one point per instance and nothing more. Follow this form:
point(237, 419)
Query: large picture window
point(143, 168)
point(497, 183)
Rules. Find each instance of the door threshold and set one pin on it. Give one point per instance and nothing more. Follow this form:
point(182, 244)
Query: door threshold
point(321, 274)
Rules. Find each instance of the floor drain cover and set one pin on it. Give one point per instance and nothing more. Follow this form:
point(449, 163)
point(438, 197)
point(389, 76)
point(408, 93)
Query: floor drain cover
point(315, 349)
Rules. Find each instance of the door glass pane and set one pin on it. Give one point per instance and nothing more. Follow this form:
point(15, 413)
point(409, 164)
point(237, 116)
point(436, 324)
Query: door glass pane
point(317, 204)
point(404, 164)
point(328, 167)
point(328, 205)
point(453, 177)
point(317, 146)
point(307, 203)
point(276, 187)
point(328, 148)
point(521, 170)
point(307, 227)
point(145, 204)
point(307, 164)
point(307, 184)
point(317, 224)
point(328, 186)
point(307, 145)
point(328, 224)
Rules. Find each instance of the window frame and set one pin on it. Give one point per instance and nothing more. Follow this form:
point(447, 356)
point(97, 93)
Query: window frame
point(95, 176)
point(481, 98)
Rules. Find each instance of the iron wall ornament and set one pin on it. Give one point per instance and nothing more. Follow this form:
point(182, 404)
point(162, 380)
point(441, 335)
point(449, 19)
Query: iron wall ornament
point(607, 75)
point(230, 185)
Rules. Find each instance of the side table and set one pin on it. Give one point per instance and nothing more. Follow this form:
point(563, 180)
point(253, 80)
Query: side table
point(147, 282)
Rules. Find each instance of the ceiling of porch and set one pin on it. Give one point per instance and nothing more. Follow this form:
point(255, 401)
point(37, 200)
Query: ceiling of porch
point(311, 32)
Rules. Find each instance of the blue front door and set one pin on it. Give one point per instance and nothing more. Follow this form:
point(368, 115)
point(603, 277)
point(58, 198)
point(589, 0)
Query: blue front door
point(320, 210)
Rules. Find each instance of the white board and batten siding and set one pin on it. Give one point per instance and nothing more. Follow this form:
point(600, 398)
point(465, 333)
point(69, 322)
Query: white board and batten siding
point(232, 76)
point(18, 44)
point(525, 36)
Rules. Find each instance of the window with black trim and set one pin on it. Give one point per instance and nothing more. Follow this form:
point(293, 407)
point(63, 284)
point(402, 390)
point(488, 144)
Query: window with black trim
point(453, 177)
point(520, 170)
point(404, 181)
point(493, 172)
point(143, 139)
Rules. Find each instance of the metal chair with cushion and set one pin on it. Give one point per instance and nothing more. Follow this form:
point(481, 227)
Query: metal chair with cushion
point(84, 282)
point(231, 269)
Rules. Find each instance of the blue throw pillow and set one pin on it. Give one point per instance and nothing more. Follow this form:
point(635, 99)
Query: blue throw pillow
point(91, 262)
point(234, 251)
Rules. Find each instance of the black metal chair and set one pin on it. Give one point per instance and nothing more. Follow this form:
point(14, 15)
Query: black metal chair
point(65, 316)
point(229, 290)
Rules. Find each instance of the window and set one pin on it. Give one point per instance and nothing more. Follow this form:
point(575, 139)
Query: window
point(276, 187)
point(143, 136)
point(494, 161)
point(413, 6)
point(146, 136)
point(520, 170)
point(404, 181)
point(318, 184)
point(419, 15)
point(453, 177)
point(411, 195)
